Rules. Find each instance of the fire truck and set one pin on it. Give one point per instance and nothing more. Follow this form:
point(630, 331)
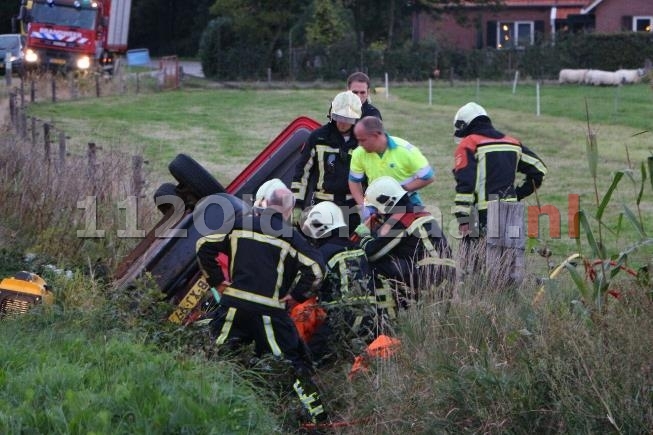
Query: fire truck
point(74, 34)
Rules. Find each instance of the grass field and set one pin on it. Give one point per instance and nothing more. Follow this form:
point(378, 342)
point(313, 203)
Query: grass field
point(553, 356)
point(225, 128)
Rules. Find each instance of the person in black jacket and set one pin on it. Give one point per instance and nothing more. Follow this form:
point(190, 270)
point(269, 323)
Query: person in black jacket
point(271, 266)
point(486, 163)
point(359, 84)
point(406, 244)
point(347, 292)
point(322, 170)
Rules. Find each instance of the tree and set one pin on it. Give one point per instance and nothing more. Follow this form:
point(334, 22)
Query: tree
point(391, 21)
point(8, 9)
point(168, 26)
point(260, 22)
point(329, 23)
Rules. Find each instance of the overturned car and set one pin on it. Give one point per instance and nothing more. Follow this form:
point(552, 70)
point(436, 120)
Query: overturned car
point(195, 204)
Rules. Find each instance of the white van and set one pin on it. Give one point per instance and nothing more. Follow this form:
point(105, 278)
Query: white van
point(12, 51)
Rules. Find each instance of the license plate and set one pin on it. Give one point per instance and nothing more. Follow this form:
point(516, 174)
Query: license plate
point(58, 61)
point(186, 305)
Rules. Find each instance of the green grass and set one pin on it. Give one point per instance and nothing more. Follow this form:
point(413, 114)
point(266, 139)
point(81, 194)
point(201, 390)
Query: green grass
point(537, 359)
point(72, 371)
point(224, 129)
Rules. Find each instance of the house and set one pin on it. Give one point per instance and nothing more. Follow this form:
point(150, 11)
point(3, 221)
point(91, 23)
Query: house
point(518, 23)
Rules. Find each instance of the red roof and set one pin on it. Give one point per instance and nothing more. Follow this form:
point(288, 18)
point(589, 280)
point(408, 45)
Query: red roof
point(563, 12)
point(550, 3)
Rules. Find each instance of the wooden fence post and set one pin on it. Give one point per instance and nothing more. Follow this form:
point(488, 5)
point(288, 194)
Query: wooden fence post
point(91, 154)
point(12, 107)
point(97, 85)
point(92, 165)
point(16, 116)
point(22, 92)
point(33, 131)
point(32, 91)
point(23, 123)
point(46, 140)
point(74, 89)
point(137, 171)
point(53, 85)
point(505, 243)
point(62, 151)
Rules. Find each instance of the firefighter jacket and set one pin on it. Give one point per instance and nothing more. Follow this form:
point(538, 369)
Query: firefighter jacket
point(347, 270)
point(323, 167)
point(267, 259)
point(405, 240)
point(485, 169)
point(367, 109)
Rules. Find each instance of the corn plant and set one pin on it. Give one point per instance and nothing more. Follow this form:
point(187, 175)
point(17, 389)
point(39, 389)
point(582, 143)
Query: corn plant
point(601, 267)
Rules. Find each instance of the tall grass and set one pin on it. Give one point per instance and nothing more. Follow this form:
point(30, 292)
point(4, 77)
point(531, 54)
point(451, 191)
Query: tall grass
point(495, 363)
point(50, 202)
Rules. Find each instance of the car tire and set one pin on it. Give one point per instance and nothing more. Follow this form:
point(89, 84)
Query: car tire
point(195, 182)
point(164, 190)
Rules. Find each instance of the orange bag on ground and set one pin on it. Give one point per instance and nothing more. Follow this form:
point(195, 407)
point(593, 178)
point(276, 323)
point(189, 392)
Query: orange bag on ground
point(382, 347)
point(308, 316)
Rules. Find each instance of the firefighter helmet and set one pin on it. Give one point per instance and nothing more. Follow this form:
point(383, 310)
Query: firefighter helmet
point(323, 218)
point(465, 115)
point(265, 190)
point(384, 193)
point(346, 107)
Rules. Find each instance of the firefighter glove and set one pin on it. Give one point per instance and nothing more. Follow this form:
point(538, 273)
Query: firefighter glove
point(362, 230)
point(297, 216)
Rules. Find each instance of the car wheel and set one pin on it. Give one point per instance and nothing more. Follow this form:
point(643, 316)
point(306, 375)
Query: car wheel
point(164, 190)
point(194, 180)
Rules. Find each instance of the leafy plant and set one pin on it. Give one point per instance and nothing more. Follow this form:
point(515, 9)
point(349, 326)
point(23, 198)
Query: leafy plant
point(601, 268)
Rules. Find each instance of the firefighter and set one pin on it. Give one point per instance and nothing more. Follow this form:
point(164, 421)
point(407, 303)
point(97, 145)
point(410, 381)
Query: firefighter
point(260, 203)
point(408, 245)
point(322, 169)
point(486, 164)
point(347, 292)
point(271, 266)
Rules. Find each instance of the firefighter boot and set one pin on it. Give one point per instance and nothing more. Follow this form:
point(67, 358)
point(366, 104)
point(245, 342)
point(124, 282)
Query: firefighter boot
point(309, 395)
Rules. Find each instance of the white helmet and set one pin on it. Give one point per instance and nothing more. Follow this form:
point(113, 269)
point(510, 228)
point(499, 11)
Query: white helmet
point(265, 190)
point(465, 115)
point(384, 193)
point(323, 218)
point(346, 107)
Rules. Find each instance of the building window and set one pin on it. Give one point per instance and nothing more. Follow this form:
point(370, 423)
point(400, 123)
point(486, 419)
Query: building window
point(642, 24)
point(517, 34)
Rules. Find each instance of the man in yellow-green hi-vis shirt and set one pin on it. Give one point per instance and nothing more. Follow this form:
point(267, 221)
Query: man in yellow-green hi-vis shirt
point(380, 154)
